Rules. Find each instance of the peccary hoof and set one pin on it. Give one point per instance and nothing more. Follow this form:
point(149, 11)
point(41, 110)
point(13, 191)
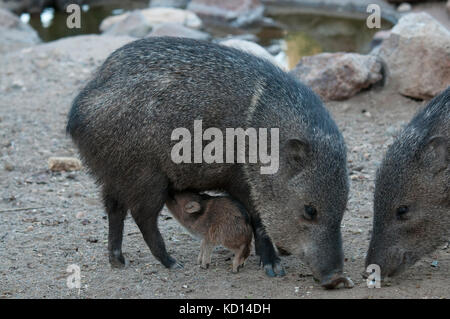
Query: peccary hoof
point(117, 261)
point(176, 265)
point(335, 282)
point(275, 269)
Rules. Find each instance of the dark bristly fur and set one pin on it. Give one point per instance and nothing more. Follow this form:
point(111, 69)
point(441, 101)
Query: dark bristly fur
point(218, 220)
point(412, 191)
point(122, 123)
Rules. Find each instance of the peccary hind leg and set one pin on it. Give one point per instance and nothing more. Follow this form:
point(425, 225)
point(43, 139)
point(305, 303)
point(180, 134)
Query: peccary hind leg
point(206, 251)
point(116, 215)
point(240, 256)
point(146, 217)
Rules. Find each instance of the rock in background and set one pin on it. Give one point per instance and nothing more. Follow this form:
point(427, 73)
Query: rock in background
point(178, 30)
point(134, 24)
point(140, 22)
point(238, 13)
point(14, 34)
point(417, 56)
point(338, 76)
point(253, 48)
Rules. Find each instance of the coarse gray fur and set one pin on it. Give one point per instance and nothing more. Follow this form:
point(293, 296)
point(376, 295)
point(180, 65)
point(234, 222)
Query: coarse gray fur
point(412, 191)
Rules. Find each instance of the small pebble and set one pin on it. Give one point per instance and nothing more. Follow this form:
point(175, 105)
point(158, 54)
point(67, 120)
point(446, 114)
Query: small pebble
point(80, 215)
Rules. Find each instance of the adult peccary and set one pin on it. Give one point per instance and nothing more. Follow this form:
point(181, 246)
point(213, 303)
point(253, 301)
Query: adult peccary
point(217, 220)
point(122, 123)
point(412, 191)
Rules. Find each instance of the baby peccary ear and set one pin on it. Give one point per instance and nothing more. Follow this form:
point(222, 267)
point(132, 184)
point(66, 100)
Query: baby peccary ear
point(436, 155)
point(192, 207)
point(297, 152)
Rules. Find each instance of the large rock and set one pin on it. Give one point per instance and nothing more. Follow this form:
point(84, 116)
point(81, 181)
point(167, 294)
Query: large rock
point(236, 12)
point(253, 48)
point(155, 16)
point(338, 76)
point(417, 56)
point(14, 34)
point(135, 24)
point(178, 30)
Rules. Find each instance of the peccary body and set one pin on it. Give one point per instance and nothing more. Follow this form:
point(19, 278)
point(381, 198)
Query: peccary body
point(412, 191)
point(218, 220)
point(123, 120)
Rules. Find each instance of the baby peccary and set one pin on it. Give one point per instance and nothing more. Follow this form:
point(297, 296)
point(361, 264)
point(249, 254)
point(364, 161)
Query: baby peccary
point(412, 191)
point(218, 220)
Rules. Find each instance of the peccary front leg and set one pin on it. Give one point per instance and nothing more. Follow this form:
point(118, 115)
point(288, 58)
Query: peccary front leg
point(116, 215)
point(264, 248)
point(146, 217)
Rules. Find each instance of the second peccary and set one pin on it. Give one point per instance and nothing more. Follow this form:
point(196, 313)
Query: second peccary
point(123, 123)
point(218, 220)
point(412, 191)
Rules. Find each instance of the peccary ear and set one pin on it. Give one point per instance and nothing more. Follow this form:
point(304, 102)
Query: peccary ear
point(192, 207)
point(297, 151)
point(436, 154)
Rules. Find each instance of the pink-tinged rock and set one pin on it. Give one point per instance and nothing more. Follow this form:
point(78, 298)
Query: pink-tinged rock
point(338, 76)
point(417, 56)
point(178, 30)
point(236, 12)
point(252, 48)
point(155, 16)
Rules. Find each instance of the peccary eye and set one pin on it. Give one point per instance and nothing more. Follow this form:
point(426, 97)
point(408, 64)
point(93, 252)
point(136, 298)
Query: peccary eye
point(310, 212)
point(401, 212)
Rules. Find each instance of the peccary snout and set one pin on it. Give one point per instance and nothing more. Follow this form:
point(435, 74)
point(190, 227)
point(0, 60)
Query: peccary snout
point(218, 220)
point(326, 260)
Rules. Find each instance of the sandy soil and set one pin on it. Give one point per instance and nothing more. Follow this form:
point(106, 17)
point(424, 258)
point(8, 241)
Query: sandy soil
point(68, 225)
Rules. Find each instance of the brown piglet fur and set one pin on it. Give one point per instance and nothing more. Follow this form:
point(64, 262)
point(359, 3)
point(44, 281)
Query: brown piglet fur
point(218, 220)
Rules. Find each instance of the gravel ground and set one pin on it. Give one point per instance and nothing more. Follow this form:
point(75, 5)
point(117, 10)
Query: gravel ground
point(68, 226)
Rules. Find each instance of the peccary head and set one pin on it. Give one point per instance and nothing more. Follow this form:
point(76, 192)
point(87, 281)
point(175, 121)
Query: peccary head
point(185, 203)
point(412, 192)
point(302, 205)
point(314, 210)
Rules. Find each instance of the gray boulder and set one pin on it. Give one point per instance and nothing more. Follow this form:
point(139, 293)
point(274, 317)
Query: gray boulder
point(14, 34)
point(134, 24)
point(155, 16)
point(338, 76)
point(417, 56)
point(178, 30)
point(238, 13)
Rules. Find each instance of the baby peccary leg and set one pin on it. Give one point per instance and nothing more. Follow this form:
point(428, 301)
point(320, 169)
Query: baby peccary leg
point(200, 255)
point(240, 256)
point(116, 215)
point(206, 251)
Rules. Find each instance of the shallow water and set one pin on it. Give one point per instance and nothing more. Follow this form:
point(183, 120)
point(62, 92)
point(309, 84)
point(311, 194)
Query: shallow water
point(300, 35)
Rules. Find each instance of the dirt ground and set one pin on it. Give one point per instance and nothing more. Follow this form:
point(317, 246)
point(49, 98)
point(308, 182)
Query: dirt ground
point(68, 225)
